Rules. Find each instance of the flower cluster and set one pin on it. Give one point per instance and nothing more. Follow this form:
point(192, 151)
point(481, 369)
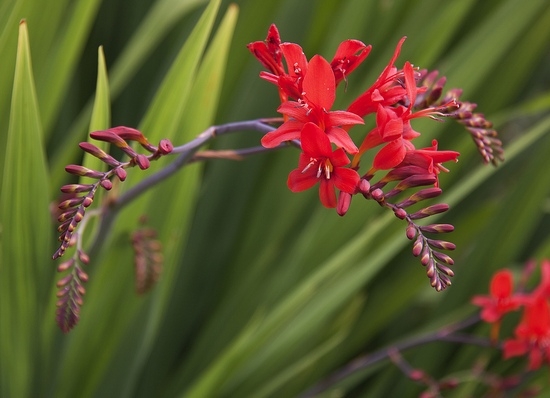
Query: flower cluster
point(79, 197)
point(307, 89)
point(532, 333)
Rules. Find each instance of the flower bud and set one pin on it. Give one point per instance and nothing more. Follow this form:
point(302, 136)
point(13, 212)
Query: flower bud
point(110, 137)
point(142, 161)
point(120, 173)
point(437, 228)
point(344, 202)
point(411, 231)
point(77, 188)
point(83, 171)
point(165, 147)
point(106, 184)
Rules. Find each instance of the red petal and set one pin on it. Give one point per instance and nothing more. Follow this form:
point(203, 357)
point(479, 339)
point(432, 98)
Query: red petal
point(327, 194)
point(372, 140)
point(392, 130)
point(501, 284)
point(341, 138)
point(345, 179)
point(410, 83)
point(390, 155)
point(298, 181)
point(344, 118)
point(319, 85)
point(295, 58)
point(514, 348)
point(294, 110)
point(315, 142)
point(289, 130)
point(339, 158)
point(349, 55)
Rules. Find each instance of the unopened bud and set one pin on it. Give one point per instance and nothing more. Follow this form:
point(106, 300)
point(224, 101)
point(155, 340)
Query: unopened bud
point(106, 184)
point(400, 213)
point(142, 161)
point(165, 147)
point(64, 266)
point(418, 246)
point(344, 202)
point(378, 195)
point(430, 211)
point(364, 186)
point(109, 136)
point(120, 173)
point(411, 231)
point(437, 228)
point(82, 171)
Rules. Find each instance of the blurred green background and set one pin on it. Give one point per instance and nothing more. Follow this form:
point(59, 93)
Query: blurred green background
point(264, 292)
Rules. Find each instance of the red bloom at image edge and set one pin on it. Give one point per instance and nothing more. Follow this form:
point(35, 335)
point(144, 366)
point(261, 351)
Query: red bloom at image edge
point(320, 164)
point(532, 335)
point(501, 299)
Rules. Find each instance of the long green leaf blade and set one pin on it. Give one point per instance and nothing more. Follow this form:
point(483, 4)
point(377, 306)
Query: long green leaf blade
point(25, 229)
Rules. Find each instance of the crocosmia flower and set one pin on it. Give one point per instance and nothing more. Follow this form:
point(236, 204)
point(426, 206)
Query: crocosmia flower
point(319, 91)
point(501, 299)
point(320, 164)
point(532, 335)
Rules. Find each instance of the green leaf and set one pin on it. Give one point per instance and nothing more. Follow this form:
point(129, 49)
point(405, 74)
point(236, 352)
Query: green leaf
point(25, 233)
point(101, 114)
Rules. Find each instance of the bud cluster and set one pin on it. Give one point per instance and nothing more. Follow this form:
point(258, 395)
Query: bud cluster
point(428, 250)
point(80, 196)
point(74, 208)
point(484, 135)
point(400, 95)
point(71, 290)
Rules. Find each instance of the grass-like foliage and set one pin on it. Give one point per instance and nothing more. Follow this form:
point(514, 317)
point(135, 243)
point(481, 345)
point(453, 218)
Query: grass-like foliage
point(192, 258)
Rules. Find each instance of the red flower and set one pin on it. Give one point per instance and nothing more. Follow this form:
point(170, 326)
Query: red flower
point(393, 126)
point(532, 335)
point(387, 90)
point(429, 159)
point(543, 289)
point(349, 55)
point(270, 52)
point(501, 299)
point(319, 92)
point(319, 163)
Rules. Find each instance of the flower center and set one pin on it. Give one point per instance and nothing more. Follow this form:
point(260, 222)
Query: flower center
point(324, 167)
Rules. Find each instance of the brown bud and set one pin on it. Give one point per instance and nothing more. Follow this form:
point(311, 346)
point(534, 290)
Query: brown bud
point(437, 228)
point(445, 258)
point(83, 171)
point(77, 188)
point(64, 281)
point(66, 204)
point(99, 153)
point(418, 246)
point(64, 266)
point(429, 211)
point(441, 244)
point(109, 136)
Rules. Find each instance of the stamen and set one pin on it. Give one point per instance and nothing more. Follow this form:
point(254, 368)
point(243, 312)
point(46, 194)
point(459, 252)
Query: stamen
point(327, 170)
point(312, 161)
